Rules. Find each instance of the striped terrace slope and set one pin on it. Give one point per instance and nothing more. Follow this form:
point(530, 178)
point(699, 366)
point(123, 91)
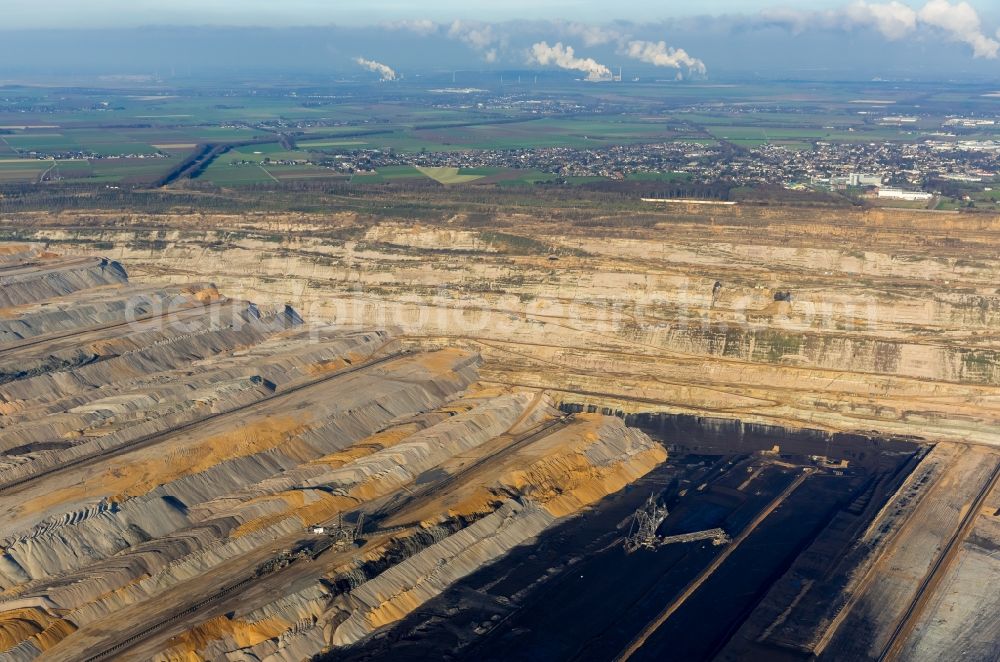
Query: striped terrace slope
point(166, 451)
point(26, 283)
point(891, 324)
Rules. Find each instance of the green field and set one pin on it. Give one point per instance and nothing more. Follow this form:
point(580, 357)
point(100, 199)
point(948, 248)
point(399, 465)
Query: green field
point(323, 119)
point(389, 174)
point(226, 175)
point(309, 144)
point(22, 170)
point(759, 135)
point(549, 132)
point(448, 175)
point(130, 170)
point(25, 142)
point(268, 151)
point(259, 164)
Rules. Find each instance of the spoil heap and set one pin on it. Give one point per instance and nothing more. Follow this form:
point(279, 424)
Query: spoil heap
point(171, 462)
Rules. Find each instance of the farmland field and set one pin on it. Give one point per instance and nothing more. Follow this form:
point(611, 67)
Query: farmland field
point(22, 170)
point(298, 130)
point(389, 173)
point(40, 142)
point(130, 170)
point(448, 175)
point(260, 164)
point(227, 175)
point(307, 144)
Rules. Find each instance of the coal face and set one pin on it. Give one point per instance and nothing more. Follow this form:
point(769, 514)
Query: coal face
point(577, 594)
point(686, 433)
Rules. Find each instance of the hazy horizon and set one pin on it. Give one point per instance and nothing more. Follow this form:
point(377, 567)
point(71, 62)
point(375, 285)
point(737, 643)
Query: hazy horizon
point(859, 40)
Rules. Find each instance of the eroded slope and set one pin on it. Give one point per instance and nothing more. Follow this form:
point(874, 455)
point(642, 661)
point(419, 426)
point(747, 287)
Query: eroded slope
point(166, 453)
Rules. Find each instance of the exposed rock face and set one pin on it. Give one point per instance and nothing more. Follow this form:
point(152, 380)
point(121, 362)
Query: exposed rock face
point(562, 473)
point(167, 448)
point(577, 465)
point(161, 443)
point(891, 324)
point(32, 282)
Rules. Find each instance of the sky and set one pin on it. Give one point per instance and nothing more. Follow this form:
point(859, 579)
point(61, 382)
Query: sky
point(130, 13)
point(107, 13)
point(669, 39)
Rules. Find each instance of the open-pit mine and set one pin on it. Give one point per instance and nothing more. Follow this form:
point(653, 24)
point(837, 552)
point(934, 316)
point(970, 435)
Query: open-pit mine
point(724, 432)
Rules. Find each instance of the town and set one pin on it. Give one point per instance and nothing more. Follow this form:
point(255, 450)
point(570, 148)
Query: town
point(904, 171)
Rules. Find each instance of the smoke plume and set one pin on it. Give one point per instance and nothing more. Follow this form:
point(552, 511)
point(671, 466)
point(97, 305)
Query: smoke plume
point(660, 55)
point(564, 58)
point(385, 72)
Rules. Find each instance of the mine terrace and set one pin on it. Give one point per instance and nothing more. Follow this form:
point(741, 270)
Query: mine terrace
point(511, 362)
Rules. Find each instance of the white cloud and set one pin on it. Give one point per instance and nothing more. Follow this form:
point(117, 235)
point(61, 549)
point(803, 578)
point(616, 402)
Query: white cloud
point(594, 35)
point(478, 36)
point(791, 19)
point(894, 19)
point(960, 22)
point(421, 26)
